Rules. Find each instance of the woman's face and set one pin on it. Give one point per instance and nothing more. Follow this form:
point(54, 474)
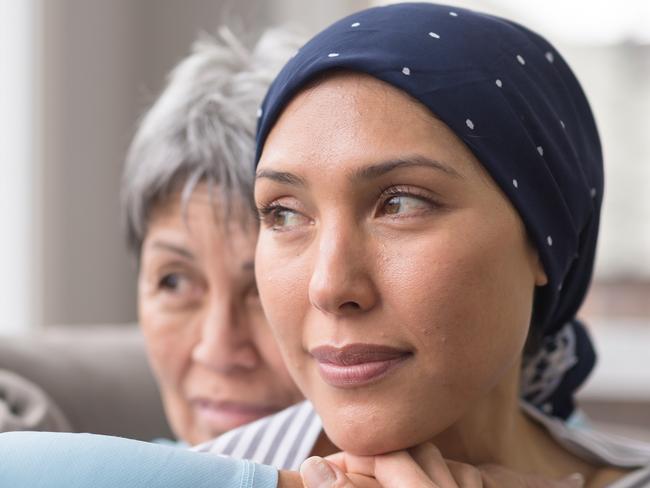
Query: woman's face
point(209, 344)
point(396, 276)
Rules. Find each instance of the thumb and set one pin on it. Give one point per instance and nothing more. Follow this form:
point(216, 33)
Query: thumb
point(316, 472)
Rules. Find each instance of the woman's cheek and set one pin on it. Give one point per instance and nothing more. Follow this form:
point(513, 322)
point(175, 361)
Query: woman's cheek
point(282, 282)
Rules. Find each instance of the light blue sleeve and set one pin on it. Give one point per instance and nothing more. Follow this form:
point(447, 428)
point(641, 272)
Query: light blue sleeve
point(52, 460)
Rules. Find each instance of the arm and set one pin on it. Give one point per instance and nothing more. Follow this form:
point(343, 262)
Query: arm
point(44, 459)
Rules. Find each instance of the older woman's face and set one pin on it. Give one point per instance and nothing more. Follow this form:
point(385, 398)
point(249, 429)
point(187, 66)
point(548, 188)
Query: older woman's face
point(396, 276)
point(209, 344)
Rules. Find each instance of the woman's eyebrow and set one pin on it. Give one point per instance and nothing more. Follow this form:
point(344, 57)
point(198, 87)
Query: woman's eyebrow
point(173, 248)
point(380, 169)
point(367, 172)
point(280, 177)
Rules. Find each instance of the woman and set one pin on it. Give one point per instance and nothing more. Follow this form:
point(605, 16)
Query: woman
point(429, 182)
point(207, 339)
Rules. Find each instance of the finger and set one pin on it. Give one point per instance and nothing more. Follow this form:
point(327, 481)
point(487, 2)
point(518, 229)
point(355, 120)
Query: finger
point(576, 480)
point(430, 459)
point(400, 470)
point(465, 475)
point(348, 463)
point(394, 470)
point(316, 472)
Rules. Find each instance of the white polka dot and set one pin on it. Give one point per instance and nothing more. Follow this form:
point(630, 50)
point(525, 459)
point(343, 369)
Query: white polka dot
point(549, 56)
point(434, 35)
point(521, 59)
point(332, 55)
point(469, 124)
point(453, 14)
point(515, 183)
point(259, 112)
point(499, 83)
point(559, 287)
point(593, 193)
point(549, 240)
point(562, 124)
point(356, 24)
point(406, 71)
point(540, 150)
point(547, 408)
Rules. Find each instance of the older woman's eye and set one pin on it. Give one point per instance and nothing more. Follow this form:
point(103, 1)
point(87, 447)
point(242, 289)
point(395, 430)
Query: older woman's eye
point(406, 205)
point(174, 282)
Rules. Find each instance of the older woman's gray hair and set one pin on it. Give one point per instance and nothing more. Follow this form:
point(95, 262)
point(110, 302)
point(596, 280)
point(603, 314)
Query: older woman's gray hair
point(202, 127)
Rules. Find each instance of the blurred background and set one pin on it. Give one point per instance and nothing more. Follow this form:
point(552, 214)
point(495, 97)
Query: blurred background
point(76, 74)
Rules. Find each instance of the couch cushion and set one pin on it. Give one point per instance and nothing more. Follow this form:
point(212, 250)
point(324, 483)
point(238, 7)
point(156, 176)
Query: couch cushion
point(97, 375)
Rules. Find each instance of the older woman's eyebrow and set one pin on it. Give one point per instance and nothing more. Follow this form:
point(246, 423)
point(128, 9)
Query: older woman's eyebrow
point(380, 169)
point(280, 177)
point(173, 248)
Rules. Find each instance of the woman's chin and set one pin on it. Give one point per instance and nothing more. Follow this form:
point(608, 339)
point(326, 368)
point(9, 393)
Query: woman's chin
point(365, 439)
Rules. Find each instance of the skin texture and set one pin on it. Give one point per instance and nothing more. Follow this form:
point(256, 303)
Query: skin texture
point(210, 347)
point(432, 261)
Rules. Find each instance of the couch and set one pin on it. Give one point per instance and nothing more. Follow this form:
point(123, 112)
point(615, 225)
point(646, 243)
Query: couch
point(80, 379)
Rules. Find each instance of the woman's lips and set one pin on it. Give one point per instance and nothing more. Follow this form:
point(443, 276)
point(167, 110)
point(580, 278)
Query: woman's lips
point(357, 365)
point(225, 415)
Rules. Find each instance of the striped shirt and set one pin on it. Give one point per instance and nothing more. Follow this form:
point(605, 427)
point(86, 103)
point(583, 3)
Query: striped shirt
point(284, 440)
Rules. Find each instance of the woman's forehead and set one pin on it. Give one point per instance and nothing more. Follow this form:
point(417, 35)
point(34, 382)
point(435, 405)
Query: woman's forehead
point(346, 118)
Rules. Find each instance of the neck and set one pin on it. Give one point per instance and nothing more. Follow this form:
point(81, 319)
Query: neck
point(497, 431)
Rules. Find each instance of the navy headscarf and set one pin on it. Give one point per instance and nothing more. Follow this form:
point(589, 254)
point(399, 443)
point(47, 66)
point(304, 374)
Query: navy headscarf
point(512, 99)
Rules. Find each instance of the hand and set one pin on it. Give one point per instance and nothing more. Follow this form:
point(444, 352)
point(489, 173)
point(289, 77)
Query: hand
point(423, 467)
point(316, 472)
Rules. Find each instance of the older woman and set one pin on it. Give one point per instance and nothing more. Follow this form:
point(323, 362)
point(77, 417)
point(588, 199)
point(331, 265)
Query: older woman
point(429, 181)
point(188, 205)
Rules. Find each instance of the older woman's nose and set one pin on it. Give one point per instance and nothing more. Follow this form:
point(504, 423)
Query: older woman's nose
point(341, 282)
point(225, 344)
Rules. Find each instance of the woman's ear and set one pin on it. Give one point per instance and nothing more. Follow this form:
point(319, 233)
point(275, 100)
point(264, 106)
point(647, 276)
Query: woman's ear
point(540, 275)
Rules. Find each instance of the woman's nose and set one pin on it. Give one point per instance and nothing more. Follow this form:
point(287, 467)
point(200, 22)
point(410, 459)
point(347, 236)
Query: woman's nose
point(341, 281)
point(225, 344)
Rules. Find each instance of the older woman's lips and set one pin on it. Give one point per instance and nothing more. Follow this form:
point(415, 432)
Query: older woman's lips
point(357, 365)
point(226, 415)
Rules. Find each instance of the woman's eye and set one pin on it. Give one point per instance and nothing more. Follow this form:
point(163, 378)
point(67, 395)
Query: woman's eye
point(282, 218)
point(404, 205)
